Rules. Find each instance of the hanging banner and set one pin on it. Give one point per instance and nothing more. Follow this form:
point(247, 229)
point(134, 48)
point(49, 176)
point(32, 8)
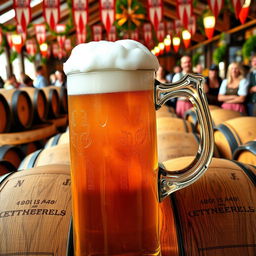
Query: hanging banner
point(21, 32)
point(112, 34)
point(184, 11)
point(60, 28)
point(31, 47)
point(155, 11)
point(107, 13)
point(178, 27)
point(160, 34)
point(238, 4)
point(215, 6)
point(55, 50)
point(40, 30)
point(68, 44)
point(9, 39)
point(170, 30)
point(80, 15)
point(22, 13)
point(51, 10)
point(135, 35)
point(147, 29)
point(192, 25)
point(97, 32)
point(244, 11)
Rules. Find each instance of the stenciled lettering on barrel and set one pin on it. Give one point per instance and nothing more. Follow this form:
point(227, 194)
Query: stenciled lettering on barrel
point(113, 148)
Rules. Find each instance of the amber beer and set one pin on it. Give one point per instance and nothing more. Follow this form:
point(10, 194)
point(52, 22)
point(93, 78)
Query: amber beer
point(114, 164)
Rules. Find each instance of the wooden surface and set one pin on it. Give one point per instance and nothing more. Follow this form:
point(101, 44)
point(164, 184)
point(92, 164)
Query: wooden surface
point(37, 133)
point(35, 210)
point(173, 124)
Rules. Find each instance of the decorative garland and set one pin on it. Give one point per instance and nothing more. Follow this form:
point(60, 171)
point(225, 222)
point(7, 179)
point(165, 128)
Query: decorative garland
point(129, 14)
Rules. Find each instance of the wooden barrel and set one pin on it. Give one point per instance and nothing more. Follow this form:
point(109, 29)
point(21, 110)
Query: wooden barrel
point(5, 114)
point(6, 167)
point(39, 103)
point(246, 153)
point(173, 124)
point(166, 111)
point(58, 139)
point(218, 115)
point(63, 96)
point(213, 216)
point(53, 101)
point(31, 147)
point(54, 155)
point(12, 154)
point(233, 133)
point(21, 108)
point(35, 211)
point(173, 144)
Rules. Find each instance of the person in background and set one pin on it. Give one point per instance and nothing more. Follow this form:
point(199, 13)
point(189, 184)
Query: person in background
point(52, 78)
point(251, 99)
point(183, 104)
point(233, 89)
point(176, 69)
point(12, 82)
point(40, 80)
point(212, 85)
point(199, 69)
point(160, 75)
point(27, 81)
point(1, 82)
point(60, 79)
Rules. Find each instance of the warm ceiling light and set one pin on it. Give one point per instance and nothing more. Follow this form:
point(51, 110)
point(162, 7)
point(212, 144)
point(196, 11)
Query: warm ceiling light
point(186, 36)
point(176, 43)
point(17, 42)
point(44, 49)
point(209, 24)
point(157, 50)
point(167, 43)
point(161, 46)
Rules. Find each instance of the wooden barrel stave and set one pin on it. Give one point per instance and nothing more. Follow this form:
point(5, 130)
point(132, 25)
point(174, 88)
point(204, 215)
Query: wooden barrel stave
point(12, 154)
point(5, 114)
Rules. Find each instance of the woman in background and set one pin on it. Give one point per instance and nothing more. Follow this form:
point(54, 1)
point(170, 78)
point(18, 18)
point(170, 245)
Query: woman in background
point(233, 89)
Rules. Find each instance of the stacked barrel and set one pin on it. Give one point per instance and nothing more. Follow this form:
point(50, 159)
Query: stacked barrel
point(28, 117)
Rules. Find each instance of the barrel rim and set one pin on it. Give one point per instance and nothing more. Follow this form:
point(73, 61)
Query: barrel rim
point(249, 146)
point(8, 113)
point(35, 100)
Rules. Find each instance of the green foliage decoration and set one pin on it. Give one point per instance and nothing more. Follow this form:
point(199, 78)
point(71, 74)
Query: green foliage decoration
point(249, 47)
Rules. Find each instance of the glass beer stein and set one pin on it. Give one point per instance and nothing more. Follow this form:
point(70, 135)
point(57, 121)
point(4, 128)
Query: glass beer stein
point(117, 182)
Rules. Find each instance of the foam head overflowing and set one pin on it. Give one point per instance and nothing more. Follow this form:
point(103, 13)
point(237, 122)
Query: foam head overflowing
point(133, 61)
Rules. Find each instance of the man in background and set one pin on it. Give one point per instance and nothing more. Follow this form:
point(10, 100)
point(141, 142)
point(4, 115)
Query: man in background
point(40, 81)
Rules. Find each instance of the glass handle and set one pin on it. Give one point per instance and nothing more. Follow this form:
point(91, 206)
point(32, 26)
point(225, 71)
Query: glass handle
point(191, 87)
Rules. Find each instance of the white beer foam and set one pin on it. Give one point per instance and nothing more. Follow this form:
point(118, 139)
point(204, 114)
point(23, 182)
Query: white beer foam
point(103, 67)
point(102, 55)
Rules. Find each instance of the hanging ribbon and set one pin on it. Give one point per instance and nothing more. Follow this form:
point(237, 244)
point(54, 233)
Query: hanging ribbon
point(40, 30)
point(51, 10)
point(97, 32)
point(184, 11)
point(155, 10)
point(107, 13)
point(22, 13)
point(238, 4)
point(160, 34)
point(80, 14)
point(215, 6)
point(60, 28)
point(192, 25)
point(112, 34)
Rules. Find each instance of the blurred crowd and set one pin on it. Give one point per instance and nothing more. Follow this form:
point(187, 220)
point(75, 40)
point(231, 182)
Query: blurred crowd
point(57, 78)
point(236, 91)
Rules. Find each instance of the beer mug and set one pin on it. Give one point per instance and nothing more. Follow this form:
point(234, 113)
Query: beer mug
point(117, 182)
